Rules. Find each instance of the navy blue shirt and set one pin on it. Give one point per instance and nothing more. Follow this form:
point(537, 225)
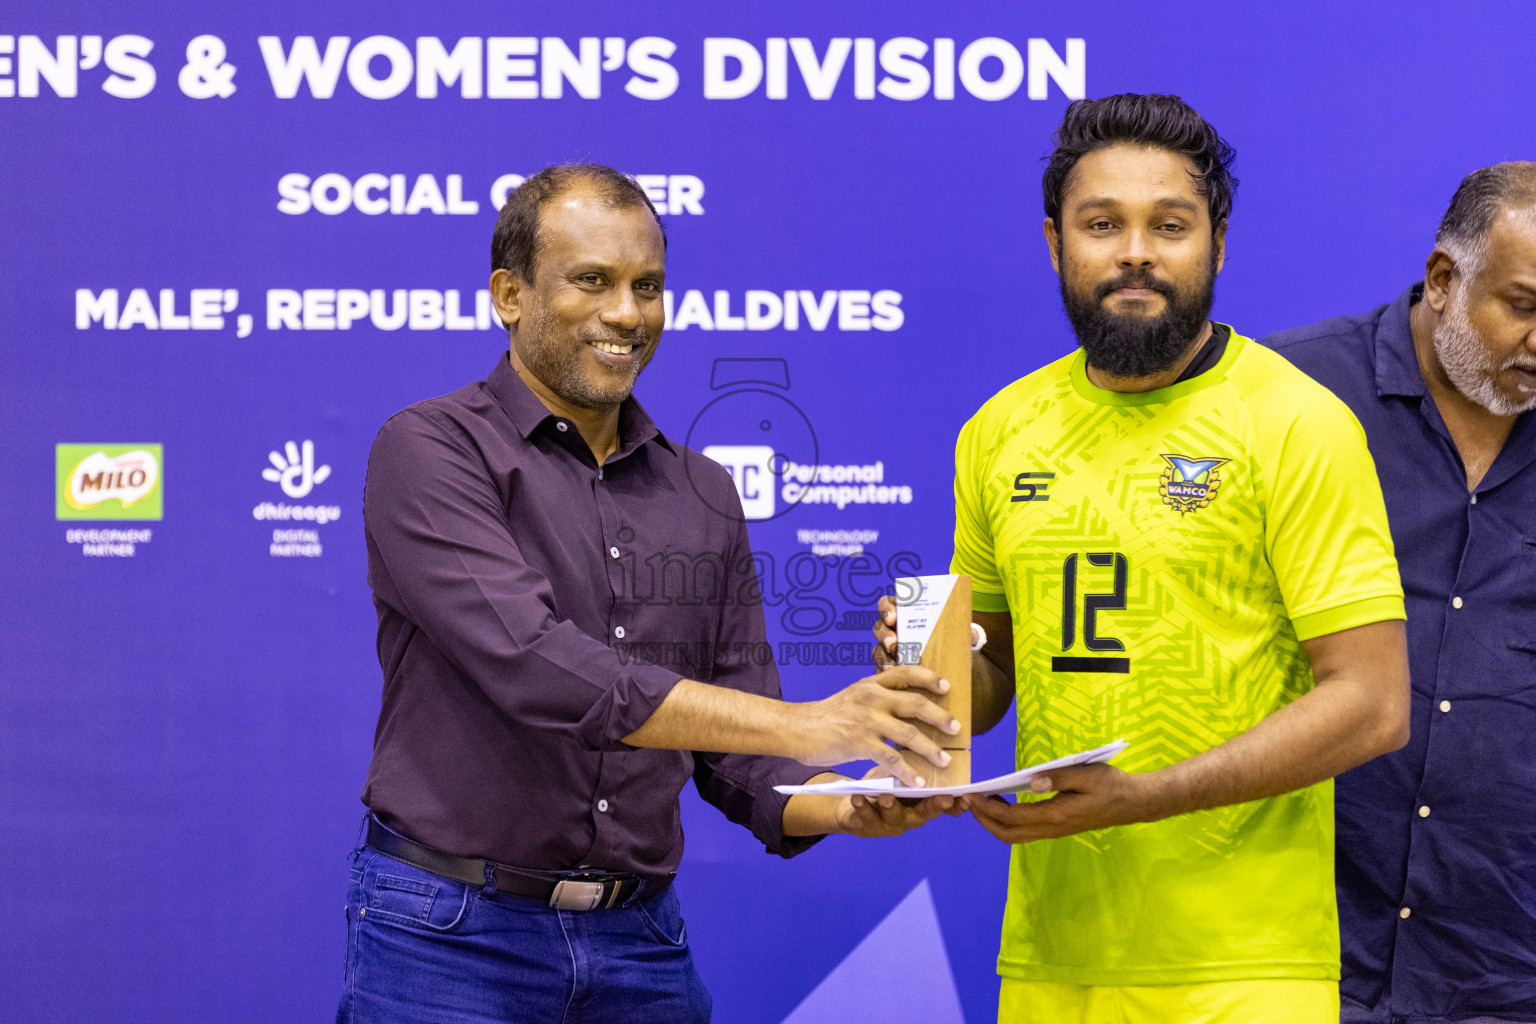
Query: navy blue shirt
point(1437, 841)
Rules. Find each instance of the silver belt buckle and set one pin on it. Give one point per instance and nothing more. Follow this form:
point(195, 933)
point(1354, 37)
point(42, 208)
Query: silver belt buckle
point(572, 895)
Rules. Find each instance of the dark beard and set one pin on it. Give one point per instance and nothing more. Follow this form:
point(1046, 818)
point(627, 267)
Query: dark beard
point(1138, 346)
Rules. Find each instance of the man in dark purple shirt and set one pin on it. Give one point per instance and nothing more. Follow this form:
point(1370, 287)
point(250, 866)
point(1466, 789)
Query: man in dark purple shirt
point(1437, 841)
point(568, 631)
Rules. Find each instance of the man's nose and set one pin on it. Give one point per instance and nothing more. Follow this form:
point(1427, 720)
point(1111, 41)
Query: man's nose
point(622, 311)
point(1136, 252)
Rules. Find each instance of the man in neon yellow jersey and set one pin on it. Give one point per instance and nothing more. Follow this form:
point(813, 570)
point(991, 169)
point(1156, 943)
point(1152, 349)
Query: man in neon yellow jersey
point(1177, 538)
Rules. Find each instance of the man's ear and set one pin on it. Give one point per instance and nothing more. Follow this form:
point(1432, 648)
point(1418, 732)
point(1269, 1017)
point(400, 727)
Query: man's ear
point(1053, 243)
point(1438, 271)
point(1219, 239)
point(507, 295)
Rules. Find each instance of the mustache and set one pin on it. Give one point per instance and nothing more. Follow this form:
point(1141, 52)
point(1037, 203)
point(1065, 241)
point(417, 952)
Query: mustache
point(1137, 278)
point(639, 336)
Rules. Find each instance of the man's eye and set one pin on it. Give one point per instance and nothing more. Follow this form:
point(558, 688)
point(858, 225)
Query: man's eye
point(590, 279)
point(1100, 225)
point(1173, 229)
point(646, 286)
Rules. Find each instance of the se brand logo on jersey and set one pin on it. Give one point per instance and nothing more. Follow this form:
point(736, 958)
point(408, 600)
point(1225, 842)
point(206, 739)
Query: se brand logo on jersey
point(108, 481)
point(1188, 484)
point(1032, 486)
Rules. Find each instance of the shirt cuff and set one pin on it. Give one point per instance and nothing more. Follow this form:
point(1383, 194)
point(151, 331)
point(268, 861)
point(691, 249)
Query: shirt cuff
point(629, 703)
point(1348, 616)
point(768, 808)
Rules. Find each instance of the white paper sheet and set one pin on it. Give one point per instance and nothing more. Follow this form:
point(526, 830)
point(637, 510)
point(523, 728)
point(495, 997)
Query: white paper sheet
point(1016, 782)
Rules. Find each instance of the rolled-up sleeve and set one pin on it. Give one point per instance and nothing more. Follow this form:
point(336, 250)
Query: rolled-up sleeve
point(741, 785)
point(447, 555)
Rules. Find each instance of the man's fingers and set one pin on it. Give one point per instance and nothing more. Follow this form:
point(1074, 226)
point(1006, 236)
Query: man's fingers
point(908, 735)
point(995, 809)
point(922, 814)
point(920, 708)
point(1068, 780)
point(997, 828)
point(913, 677)
point(883, 658)
point(891, 760)
point(887, 606)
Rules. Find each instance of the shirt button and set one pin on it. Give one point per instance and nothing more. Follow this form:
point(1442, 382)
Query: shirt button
point(1455, 602)
point(618, 631)
point(562, 426)
point(599, 472)
point(602, 805)
point(1424, 810)
point(1474, 499)
point(614, 552)
point(1404, 913)
point(1445, 705)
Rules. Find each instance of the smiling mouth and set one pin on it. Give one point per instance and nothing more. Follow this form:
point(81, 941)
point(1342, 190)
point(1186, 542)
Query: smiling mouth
point(612, 348)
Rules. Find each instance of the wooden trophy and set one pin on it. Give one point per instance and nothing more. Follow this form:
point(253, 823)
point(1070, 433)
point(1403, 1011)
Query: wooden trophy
point(933, 629)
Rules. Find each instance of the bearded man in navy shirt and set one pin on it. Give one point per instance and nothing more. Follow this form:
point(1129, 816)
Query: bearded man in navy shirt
point(1436, 843)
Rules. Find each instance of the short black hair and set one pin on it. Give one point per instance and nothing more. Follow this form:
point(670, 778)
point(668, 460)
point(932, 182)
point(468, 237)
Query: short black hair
point(515, 244)
point(1479, 200)
point(1166, 122)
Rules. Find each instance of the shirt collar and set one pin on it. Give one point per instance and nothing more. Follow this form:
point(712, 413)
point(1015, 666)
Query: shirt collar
point(526, 412)
point(1397, 364)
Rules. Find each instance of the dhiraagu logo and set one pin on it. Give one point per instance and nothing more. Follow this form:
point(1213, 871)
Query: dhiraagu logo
point(108, 481)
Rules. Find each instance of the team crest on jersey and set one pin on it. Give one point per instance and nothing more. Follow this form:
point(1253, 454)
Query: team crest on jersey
point(1188, 484)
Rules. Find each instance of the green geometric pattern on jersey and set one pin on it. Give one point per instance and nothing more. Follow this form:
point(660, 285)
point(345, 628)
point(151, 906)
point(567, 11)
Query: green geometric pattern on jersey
point(1220, 573)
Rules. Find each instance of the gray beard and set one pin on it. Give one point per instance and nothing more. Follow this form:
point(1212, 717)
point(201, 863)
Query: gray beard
point(1464, 357)
point(561, 373)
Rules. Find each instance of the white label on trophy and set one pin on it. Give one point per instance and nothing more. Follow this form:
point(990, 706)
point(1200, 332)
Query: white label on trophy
point(916, 618)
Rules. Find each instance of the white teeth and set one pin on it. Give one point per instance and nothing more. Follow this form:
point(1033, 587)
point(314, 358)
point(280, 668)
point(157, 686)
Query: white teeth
point(618, 350)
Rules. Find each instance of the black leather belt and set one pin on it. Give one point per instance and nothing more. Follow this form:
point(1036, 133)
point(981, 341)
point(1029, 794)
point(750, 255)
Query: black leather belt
point(566, 890)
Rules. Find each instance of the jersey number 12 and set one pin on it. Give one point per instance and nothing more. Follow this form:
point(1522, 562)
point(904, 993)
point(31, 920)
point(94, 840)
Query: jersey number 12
point(1092, 605)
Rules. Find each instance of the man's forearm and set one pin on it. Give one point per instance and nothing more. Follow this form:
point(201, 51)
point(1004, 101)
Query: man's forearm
point(991, 692)
point(697, 716)
point(1325, 732)
point(859, 723)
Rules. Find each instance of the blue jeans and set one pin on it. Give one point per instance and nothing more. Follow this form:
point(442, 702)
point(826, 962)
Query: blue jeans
point(424, 948)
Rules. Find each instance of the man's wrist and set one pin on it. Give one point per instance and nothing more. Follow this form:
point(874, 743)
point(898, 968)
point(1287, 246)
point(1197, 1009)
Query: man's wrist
point(796, 730)
point(811, 814)
point(1156, 794)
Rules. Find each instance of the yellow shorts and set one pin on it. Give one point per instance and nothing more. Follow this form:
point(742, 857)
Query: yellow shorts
point(1276, 1001)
